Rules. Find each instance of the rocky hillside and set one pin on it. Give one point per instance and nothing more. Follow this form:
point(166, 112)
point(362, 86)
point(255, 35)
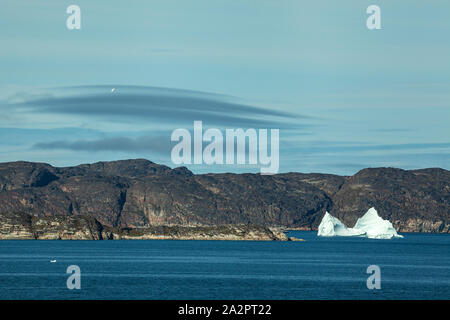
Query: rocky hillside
point(24, 226)
point(140, 194)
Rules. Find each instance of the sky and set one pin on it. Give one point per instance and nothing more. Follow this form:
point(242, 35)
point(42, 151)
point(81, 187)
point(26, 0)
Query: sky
point(343, 97)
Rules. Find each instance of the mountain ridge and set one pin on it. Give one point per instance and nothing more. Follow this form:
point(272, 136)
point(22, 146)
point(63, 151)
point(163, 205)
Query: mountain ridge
point(138, 193)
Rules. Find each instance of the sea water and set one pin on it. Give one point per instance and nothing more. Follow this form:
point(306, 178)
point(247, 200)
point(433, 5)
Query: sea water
point(416, 267)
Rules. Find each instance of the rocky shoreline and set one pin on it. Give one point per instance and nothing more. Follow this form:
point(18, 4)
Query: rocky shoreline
point(87, 228)
point(130, 197)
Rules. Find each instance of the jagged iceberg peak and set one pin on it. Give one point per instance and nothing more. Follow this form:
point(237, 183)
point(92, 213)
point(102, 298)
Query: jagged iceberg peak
point(376, 227)
point(331, 226)
point(371, 225)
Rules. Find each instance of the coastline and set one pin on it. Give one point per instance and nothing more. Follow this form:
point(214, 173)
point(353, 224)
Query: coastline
point(88, 228)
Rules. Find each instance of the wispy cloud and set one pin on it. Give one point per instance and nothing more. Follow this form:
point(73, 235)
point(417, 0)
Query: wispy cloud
point(159, 144)
point(336, 147)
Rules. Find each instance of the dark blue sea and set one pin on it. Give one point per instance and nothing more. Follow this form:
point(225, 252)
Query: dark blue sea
point(416, 267)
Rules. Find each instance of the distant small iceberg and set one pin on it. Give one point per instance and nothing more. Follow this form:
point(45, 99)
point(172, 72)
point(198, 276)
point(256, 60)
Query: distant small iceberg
point(52, 261)
point(371, 225)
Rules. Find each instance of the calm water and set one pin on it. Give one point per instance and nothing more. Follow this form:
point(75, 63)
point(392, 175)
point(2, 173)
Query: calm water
point(416, 267)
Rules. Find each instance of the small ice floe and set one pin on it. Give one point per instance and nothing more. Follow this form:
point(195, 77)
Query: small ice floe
point(113, 89)
point(52, 261)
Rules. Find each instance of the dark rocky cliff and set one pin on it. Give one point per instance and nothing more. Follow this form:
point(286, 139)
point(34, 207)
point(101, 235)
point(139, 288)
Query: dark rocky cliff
point(142, 194)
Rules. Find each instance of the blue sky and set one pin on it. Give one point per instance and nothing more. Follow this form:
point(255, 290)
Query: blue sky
point(343, 97)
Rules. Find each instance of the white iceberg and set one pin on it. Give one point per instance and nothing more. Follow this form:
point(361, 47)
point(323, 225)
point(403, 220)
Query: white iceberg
point(371, 225)
point(331, 226)
point(376, 227)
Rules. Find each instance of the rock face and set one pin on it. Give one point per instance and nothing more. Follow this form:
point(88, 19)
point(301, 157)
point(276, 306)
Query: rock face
point(23, 226)
point(139, 194)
